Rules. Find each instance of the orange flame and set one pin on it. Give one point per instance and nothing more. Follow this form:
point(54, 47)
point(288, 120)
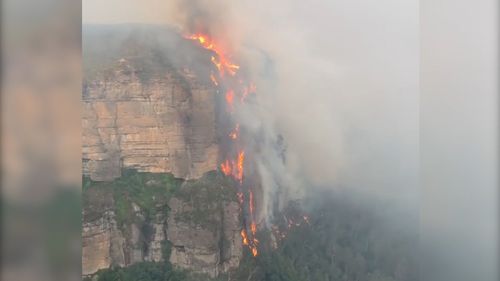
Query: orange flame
point(234, 133)
point(244, 236)
point(251, 203)
point(234, 165)
point(218, 64)
point(252, 247)
point(254, 251)
point(230, 98)
point(241, 159)
point(253, 227)
point(226, 168)
point(223, 64)
point(214, 80)
point(248, 90)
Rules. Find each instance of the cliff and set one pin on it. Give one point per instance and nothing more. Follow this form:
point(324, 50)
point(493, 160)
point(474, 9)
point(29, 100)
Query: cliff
point(143, 109)
point(192, 224)
point(149, 143)
point(154, 126)
point(204, 228)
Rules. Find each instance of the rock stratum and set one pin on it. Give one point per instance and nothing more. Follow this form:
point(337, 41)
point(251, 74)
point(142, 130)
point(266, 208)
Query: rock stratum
point(195, 225)
point(142, 111)
point(148, 109)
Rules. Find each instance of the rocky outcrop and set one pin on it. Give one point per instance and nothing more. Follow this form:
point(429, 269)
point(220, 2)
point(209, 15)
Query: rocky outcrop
point(105, 243)
point(155, 246)
point(102, 244)
point(102, 240)
point(162, 123)
point(149, 106)
point(196, 228)
point(211, 247)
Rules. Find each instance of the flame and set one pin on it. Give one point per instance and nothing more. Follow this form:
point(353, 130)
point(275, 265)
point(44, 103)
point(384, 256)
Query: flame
point(254, 251)
point(241, 159)
point(222, 61)
point(203, 40)
point(235, 132)
point(244, 236)
point(253, 227)
point(233, 165)
point(230, 98)
point(235, 169)
point(214, 80)
point(226, 168)
point(218, 64)
point(251, 246)
point(251, 203)
point(250, 89)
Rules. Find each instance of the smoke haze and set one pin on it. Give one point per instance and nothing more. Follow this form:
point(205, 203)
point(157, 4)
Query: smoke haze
point(340, 81)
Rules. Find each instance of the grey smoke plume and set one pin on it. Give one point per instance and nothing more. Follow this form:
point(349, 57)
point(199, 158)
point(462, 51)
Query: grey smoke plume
point(344, 95)
point(337, 79)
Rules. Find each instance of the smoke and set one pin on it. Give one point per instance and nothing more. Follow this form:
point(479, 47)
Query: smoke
point(342, 92)
point(339, 80)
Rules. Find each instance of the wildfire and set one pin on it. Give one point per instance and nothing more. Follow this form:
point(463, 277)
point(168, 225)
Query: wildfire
point(241, 159)
point(226, 168)
point(234, 169)
point(254, 251)
point(252, 246)
point(248, 90)
point(222, 61)
point(233, 164)
point(230, 99)
point(214, 80)
point(234, 133)
point(253, 226)
point(203, 39)
point(251, 202)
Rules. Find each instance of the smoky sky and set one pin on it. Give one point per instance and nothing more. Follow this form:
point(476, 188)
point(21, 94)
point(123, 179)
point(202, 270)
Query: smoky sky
point(344, 91)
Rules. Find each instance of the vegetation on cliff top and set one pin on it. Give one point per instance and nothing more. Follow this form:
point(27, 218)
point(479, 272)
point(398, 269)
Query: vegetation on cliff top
point(149, 191)
point(207, 196)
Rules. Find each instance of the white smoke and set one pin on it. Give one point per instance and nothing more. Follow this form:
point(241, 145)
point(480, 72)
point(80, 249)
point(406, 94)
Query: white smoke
point(343, 94)
point(338, 80)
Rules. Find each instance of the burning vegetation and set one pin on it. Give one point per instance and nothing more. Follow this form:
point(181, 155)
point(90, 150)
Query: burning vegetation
point(235, 89)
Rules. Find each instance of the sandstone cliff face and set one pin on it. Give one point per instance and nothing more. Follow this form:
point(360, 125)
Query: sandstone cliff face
point(149, 106)
point(196, 228)
point(102, 244)
point(163, 124)
point(101, 238)
point(205, 248)
point(105, 243)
